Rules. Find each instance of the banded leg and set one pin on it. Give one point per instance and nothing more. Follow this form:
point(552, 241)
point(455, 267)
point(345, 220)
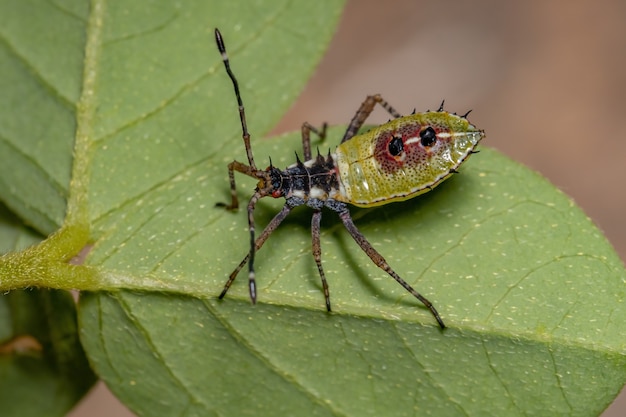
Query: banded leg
point(317, 253)
point(363, 113)
point(244, 169)
point(255, 245)
point(380, 262)
point(219, 39)
point(306, 137)
point(250, 170)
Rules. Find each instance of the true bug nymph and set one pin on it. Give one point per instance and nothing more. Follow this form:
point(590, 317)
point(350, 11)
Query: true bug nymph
point(392, 162)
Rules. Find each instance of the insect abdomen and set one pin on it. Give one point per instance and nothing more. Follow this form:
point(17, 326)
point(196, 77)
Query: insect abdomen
point(404, 157)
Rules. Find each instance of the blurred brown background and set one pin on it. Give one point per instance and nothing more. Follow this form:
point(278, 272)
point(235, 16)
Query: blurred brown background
point(545, 79)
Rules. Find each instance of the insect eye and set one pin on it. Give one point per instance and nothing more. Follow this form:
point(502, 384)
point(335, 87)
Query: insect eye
point(396, 146)
point(428, 136)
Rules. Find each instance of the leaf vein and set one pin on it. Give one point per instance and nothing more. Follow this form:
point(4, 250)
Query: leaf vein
point(268, 363)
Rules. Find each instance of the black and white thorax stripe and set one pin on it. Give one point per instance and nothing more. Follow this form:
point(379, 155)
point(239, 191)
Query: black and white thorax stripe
point(312, 182)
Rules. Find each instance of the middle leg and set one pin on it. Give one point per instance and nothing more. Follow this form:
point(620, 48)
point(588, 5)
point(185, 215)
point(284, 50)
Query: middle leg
point(317, 253)
point(256, 244)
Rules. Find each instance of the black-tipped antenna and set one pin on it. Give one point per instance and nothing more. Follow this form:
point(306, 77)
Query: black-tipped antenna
point(242, 113)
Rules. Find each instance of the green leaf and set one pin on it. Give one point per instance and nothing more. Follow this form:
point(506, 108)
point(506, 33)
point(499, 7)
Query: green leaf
point(43, 369)
point(39, 96)
point(14, 236)
point(531, 291)
point(145, 105)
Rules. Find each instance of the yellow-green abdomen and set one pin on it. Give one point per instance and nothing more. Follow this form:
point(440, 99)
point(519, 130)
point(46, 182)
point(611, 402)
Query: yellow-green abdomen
point(403, 158)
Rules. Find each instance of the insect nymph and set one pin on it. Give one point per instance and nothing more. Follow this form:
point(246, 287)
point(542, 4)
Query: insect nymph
point(393, 162)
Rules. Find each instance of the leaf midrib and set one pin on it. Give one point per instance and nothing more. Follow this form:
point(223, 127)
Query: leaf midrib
point(77, 212)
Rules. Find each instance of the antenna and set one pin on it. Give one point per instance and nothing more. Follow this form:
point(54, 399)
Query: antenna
point(242, 112)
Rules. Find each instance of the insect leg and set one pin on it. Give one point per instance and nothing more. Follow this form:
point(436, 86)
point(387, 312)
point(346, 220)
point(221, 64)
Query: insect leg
point(244, 169)
point(378, 259)
point(317, 253)
point(234, 201)
point(251, 227)
point(306, 137)
point(363, 113)
point(255, 246)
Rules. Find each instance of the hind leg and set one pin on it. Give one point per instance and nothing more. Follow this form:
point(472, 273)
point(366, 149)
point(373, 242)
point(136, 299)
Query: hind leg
point(306, 137)
point(367, 107)
point(380, 262)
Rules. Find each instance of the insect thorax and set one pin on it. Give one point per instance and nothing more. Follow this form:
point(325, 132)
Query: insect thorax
point(313, 182)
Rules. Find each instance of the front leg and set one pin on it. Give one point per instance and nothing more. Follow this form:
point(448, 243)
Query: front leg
point(244, 169)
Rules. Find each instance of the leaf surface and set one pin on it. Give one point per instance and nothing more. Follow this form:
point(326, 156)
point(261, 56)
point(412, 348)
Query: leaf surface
point(101, 104)
point(138, 135)
point(531, 291)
